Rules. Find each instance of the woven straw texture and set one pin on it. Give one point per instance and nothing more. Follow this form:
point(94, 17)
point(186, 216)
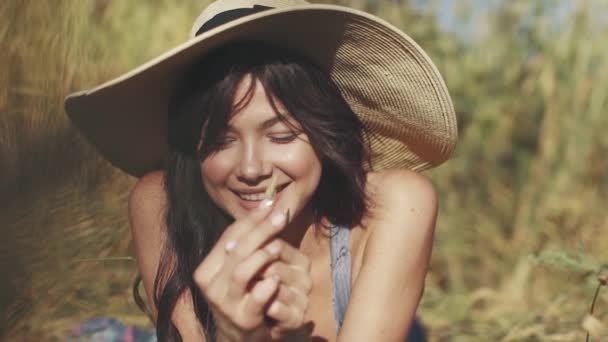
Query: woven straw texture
point(384, 75)
point(395, 89)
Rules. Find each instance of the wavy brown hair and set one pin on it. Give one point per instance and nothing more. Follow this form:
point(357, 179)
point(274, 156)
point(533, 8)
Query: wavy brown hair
point(201, 107)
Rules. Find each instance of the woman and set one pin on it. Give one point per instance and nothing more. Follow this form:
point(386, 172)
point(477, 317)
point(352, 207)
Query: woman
point(260, 98)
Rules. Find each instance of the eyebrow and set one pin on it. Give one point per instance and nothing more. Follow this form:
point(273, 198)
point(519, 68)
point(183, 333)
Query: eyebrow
point(272, 121)
point(280, 117)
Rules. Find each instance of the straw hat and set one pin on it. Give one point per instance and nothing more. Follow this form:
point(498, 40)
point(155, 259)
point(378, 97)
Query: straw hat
point(382, 73)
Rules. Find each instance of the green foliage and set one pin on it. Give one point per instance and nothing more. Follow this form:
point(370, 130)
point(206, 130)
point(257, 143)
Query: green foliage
point(528, 178)
point(562, 260)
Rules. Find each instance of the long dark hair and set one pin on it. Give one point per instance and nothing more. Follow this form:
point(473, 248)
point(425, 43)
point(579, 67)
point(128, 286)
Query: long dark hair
point(200, 108)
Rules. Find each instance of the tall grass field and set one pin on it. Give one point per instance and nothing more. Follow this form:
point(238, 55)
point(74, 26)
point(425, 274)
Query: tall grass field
point(521, 246)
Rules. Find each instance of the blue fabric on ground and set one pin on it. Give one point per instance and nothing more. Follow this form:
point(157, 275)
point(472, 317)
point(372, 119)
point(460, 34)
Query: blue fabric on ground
point(417, 333)
point(103, 329)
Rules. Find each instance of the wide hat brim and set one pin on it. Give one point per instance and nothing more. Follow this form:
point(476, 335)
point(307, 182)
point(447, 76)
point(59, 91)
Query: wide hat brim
point(386, 78)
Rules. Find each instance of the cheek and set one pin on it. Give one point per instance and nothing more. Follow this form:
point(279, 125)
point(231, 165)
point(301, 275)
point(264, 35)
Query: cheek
point(215, 170)
point(300, 161)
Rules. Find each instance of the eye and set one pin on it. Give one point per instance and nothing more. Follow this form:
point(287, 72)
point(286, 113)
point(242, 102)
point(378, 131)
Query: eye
point(283, 138)
point(224, 142)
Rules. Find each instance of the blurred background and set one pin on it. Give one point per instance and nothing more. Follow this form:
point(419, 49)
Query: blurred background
point(522, 232)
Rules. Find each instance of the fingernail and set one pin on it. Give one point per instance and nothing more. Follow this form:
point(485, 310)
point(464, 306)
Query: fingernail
point(230, 245)
point(277, 219)
point(274, 308)
point(273, 248)
point(267, 202)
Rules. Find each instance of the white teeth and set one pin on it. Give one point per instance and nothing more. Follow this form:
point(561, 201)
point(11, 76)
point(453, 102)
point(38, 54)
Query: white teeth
point(270, 192)
point(253, 197)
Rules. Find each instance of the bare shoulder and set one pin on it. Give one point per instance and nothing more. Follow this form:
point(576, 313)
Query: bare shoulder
point(399, 191)
point(147, 203)
point(147, 208)
point(394, 257)
point(147, 199)
point(403, 210)
point(149, 186)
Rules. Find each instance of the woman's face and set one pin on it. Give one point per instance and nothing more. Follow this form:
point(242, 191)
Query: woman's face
point(258, 146)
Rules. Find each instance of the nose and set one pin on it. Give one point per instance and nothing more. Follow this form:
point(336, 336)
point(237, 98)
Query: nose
point(253, 165)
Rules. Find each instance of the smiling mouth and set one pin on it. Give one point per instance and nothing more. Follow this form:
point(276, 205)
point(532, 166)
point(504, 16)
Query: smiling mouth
point(259, 196)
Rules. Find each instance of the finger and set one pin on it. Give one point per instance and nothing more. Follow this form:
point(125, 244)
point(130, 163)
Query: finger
point(262, 292)
point(214, 261)
point(286, 316)
point(245, 272)
point(240, 227)
point(291, 276)
point(292, 297)
point(256, 237)
point(289, 254)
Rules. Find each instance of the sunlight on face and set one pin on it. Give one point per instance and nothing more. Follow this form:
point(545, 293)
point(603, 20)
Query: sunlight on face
point(258, 145)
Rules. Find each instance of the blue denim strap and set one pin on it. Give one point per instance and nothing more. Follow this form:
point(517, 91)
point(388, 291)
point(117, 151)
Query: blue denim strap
point(340, 271)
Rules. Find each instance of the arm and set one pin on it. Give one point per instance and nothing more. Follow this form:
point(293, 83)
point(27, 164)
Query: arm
point(147, 207)
point(146, 213)
point(390, 283)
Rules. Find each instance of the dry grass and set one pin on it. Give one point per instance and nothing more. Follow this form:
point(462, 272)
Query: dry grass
point(522, 222)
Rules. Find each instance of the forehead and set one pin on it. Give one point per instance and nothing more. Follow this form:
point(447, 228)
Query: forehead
point(252, 104)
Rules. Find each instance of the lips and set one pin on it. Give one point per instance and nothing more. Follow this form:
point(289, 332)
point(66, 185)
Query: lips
point(250, 201)
point(257, 196)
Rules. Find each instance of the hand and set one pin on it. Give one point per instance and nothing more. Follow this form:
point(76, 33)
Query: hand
point(289, 306)
point(226, 276)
